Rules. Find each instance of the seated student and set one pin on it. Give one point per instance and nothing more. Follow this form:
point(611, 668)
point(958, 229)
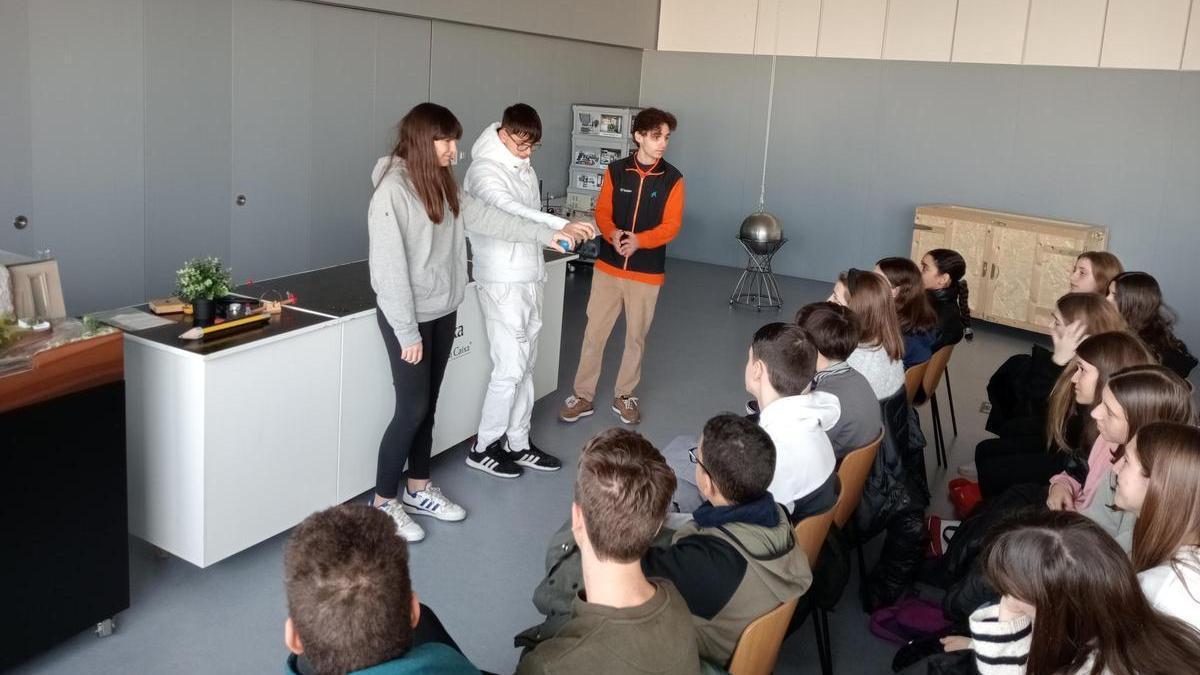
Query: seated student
point(1019, 390)
point(1093, 271)
point(1070, 604)
point(918, 321)
point(779, 372)
point(1138, 298)
point(1070, 428)
point(881, 348)
point(834, 331)
point(736, 559)
point(1158, 478)
point(622, 622)
point(943, 273)
point(351, 607)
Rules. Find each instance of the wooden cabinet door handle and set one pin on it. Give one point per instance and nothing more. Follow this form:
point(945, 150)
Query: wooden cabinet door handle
point(983, 272)
point(993, 271)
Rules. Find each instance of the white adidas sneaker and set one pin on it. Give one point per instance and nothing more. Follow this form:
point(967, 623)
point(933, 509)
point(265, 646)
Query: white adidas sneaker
point(431, 502)
point(405, 526)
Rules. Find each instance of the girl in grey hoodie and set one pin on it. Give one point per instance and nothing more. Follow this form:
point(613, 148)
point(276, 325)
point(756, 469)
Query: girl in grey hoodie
point(418, 260)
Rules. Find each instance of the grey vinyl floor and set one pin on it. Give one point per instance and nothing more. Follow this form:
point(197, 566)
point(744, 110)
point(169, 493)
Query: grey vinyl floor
point(478, 575)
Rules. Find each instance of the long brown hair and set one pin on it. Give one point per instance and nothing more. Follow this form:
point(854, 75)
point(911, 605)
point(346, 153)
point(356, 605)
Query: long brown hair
point(434, 183)
point(1169, 453)
point(1087, 600)
point(1105, 266)
point(1140, 302)
point(912, 304)
point(1108, 352)
point(871, 301)
point(1097, 314)
point(1148, 394)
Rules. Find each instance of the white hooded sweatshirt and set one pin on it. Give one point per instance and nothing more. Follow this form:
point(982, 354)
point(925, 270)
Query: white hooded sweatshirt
point(804, 459)
point(509, 183)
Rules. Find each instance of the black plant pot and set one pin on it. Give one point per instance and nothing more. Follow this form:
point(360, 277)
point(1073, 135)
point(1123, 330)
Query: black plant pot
point(204, 311)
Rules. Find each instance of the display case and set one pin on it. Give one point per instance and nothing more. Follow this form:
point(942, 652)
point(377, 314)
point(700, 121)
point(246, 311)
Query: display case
point(600, 135)
point(586, 180)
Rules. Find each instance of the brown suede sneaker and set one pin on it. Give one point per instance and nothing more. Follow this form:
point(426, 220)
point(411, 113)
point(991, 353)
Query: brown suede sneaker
point(626, 408)
point(574, 408)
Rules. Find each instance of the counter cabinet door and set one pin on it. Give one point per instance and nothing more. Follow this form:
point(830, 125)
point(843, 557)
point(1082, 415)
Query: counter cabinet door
point(1010, 275)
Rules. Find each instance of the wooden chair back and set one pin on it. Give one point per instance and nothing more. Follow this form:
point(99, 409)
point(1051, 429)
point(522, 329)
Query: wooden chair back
point(853, 476)
point(936, 369)
point(758, 648)
point(810, 535)
point(913, 378)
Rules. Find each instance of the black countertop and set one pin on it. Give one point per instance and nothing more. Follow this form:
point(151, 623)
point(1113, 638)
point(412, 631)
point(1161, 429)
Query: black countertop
point(337, 291)
point(285, 322)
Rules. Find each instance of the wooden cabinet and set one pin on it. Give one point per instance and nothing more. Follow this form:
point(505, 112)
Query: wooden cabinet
point(1017, 266)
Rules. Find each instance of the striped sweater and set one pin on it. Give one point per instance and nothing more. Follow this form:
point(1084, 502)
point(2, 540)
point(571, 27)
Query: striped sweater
point(1002, 647)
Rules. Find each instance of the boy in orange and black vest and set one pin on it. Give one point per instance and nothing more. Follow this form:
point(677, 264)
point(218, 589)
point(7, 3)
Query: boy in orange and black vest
point(640, 210)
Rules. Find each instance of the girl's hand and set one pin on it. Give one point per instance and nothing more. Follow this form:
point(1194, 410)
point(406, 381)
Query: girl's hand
point(955, 643)
point(1066, 340)
point(1060, 498)
point(411, 354)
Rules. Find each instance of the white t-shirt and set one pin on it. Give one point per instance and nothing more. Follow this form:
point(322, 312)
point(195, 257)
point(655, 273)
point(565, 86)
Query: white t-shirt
point(1174, 588)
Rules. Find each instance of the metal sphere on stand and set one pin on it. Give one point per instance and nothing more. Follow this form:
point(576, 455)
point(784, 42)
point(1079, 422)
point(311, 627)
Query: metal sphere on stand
point(761, 231)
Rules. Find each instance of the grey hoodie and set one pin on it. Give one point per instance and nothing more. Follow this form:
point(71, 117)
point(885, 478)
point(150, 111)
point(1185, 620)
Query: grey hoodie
point(418, 267)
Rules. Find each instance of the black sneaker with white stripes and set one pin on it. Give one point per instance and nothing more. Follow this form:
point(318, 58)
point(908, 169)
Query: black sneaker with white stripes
point(494, 460)
point(533, 458)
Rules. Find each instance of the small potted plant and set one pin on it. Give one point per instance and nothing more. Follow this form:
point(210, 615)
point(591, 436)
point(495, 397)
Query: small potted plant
point(201, 282)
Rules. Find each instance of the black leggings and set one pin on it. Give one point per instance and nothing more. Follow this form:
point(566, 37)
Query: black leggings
point(409, 436)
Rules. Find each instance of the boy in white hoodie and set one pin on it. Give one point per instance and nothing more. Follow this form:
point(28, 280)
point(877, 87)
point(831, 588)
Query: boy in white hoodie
point(509, 277)
point(779, 372)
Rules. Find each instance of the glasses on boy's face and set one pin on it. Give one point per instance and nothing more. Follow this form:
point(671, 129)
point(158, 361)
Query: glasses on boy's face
point(521, 146)
point(696, 460)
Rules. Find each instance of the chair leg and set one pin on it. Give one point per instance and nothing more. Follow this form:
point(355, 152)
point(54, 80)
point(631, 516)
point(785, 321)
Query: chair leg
point(859, 545)
point(950, 397)
point(938, 439)
point(824, 647)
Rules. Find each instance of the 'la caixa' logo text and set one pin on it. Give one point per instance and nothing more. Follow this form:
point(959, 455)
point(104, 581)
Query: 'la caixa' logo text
point(462, 346)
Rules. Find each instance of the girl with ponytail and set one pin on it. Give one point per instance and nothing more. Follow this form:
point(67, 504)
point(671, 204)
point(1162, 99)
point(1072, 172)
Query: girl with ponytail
point(943, 273)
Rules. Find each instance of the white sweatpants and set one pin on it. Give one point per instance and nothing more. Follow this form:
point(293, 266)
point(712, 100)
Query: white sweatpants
point(512, 315)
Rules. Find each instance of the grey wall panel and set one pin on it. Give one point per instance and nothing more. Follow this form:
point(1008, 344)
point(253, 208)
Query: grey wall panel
point(188, 146)
point(630, 23)
point(943, 136)
point(822, 150)
point(87, 103)
point(477, 72)
point(342, 134)
point(1091, 145)
point(401, 77)
point(856, 145)
point(718, 146)
point(272, 136)
point(1174, 262)
point(16, 152)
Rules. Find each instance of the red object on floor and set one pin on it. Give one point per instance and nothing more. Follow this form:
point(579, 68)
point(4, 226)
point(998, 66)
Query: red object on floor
point(965, 496)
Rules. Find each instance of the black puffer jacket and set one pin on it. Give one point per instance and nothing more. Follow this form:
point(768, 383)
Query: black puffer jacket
point(894, 502)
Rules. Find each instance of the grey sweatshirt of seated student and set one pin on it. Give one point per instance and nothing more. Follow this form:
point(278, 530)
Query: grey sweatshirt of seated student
point(419, 267)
